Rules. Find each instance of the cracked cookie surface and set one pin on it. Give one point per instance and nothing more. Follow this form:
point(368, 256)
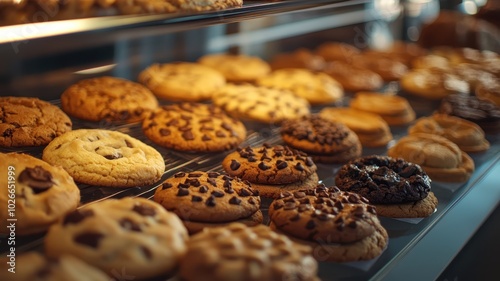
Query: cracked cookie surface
point(30, 122)
point(105, 158)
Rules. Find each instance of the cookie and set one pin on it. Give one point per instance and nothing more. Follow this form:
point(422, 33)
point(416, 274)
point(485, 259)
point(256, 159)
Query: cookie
point(134, 7)
point(237, 68)
point(30, 122)
point(209, 197)
point(275, 190)
point(238, 252)
point(489, 91)
point(482, 112)
point(370, 128)
point(468, 136)
point(434, 84)
point(105, 158)
point(300, 58)
point(353, 78)
point(431, 61)
point(108, 98)
point(182, 81)
point(400, 51)
point(402, 189)
point(440, 158)
point(337, 51)
point(340, 223)
point(323, 140)
point(135, 234)
point(389, 69)
point(41, 193)
point(260, 104)
point(194, 127)
point(316, 88)
point(34, 266)
point(395, 110)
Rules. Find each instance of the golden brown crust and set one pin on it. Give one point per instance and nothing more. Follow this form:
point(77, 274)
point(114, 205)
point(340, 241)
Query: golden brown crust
point(354, 78)
point(194, 227)
point(418, 209)
point(394, 109)
point(237, 68)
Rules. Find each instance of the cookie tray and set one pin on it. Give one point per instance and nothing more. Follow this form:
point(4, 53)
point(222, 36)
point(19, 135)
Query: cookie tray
point(431, 242)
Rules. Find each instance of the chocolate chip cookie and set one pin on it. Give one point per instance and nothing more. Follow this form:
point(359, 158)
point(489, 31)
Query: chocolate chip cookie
point(324, 140)
point(340, 226)
point(209, 199)
point(105, 158)
point(108, 98)
point(401, 189)
point(238, 252)
point(41, 193)
point(237, 68)
point(132, 235)
point(30, 122)
point(194, 127)
point(182, 81)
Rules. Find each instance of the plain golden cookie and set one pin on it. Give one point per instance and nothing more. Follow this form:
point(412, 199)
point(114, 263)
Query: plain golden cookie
point(395, 110)
point(353, 78)
point(388, 68)
point(237, 68)
point(300, 58)
point(418, 209)
point(337, 51)
point(433, 84)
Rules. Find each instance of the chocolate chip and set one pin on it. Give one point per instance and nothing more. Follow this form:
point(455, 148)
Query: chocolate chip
point(290, 206)
point(309, 162)
point(299, 167)
point(217, 193)
point(128, 144)
point(244, 193)
point(213, 174)
point(226, 126)
point(353, 198)
point(188, 135)
point(193, 182)
point(310, 224)
point(235, 200)
point(303, 208)
point(179, 175)
point(229, 190)
point(251, 201)
point(144, 210)
point(339, 205)
point(227, 183)
point(304, 200)
point(235, 165)
point(252, 159)
point(203, 189)
point(194, 175)
point(280, 164)
point(164, 132)
point(205, 138)
point(195, 198)
point(182, 192)
point(90, 239)
point(278, 205)
point(295, 218)
point(210, 201)
point(114, 156)
point(352, 224)
point(263, 166)
point(37, 178)
point(265, 157)
point(212, 181)
point(340, 226)
point(77, 216)
point(323, 217)
point(129, 224)
point(166, 185)
point(183, 186)
point(147, 252)
point(220, 134)
point(8, 133)
point(299, 194)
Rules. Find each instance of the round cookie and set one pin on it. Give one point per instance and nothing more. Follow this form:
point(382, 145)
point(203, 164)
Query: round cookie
point(388, 69)
point(418, 209)
point(132, 233)
point(370, 128)
point(323, 140)
point(237, 68)
point(33, 266)
point(194, 226)
point(275, 190)
point(400, 51)
point(316, 88)
point(238, 252)
point(395, 110)
point(337, 51)
point(433, 84)
point(260, 104)
point(489, 92)
point(105, 158)
point(194, 127)
point(108, 98)
point(42, 193)
point(467, 135)
point(440, 158)
point(300, 58)
point(482, 112)
point(431, 61)
point(208, 197)
point(182, 81)
point(324, 217)
point(353, 78)
point(30, 122)
point(269, 165)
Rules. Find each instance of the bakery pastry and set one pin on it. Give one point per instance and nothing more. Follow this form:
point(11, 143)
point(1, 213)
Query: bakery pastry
point(194, 127)
point(300, 58)
point(489, 92)
point(370, 128)
point(34, 266)
point(260, 104)
point(431, 61)
point(433, 83)
point(340, 226)
point(41, 193)
point(209, 199)
point(400, 51)
point(396, 187)
point(132, 234)
point(468, 136)
point(105, 158)
point(237, 68)
point(482, 112)
point(389, 69)
point(108, 98)
point(316, 88)
point(238, 252)
point(337, 51)
point(323, 140)
point(272, 169)
point(353, 78)
point(440, 158)
point(395, 110)
point(30, 122)
point(182, 81)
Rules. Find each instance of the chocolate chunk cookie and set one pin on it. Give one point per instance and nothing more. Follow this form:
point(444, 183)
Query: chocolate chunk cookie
point(237, 68)
point(105, 158)
point(30, 122)
point(238, 252)
point(203, 199)
point(135, 234)
point(324, 140)
point(108, 98)
point(340, 225)
point(42, 193)
point(194, 127)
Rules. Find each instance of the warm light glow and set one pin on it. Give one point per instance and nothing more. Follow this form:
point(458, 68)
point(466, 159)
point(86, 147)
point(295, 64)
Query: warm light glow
point(469, 7)
point(96, 70)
